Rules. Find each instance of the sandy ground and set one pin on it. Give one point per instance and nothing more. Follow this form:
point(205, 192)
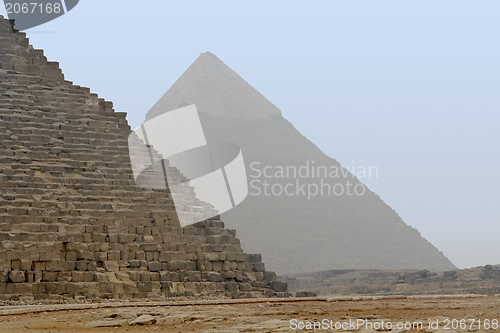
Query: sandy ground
point(274, 317)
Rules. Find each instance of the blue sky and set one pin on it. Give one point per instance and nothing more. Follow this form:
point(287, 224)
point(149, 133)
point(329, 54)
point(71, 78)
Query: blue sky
point(410, 87)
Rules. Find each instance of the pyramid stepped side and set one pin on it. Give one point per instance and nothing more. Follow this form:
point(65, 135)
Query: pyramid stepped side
point(72, 221)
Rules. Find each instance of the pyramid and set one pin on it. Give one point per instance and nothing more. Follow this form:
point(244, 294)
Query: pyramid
point(212, 86)
point(294, 233)
point(73, 222)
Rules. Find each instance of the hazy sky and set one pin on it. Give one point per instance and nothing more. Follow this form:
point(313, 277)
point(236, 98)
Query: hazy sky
point(412, 88)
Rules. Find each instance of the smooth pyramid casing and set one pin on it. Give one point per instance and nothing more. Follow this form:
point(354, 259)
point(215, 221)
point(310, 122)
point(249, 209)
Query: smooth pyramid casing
point(294, 233)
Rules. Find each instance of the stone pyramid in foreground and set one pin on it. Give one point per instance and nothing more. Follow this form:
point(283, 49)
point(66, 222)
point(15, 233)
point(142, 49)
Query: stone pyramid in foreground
point(72, 220)
point(294, 233)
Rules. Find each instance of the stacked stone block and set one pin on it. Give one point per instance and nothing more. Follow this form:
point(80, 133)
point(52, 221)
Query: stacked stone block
point(73, 223)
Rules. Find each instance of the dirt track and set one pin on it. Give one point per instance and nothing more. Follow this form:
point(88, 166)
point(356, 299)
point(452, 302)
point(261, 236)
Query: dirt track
point(268, 317)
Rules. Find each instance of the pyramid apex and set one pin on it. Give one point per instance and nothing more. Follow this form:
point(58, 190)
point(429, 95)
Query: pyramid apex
point(208, 56)
point(216, 90)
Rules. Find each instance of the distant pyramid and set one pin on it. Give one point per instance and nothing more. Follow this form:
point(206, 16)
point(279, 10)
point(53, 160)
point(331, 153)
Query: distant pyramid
point(293, 233)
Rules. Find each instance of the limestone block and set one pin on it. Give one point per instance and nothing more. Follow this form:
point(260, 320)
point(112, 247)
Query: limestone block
point(268, 293)
point(208, 287)
point(107, 287)
point(55, 288)
point(177, 287)
point(81, 265)
point(154, 266)
point(39, 266)
point(113, 238)
point(194, 276)
point(88, 276)
point(231, 287)
point(49, 276)
point(145, 276)
point(211, 256)
point(4, 276)
point(65, 266)
point(244, 286)
point(191, 286)
point(217, 266)
point(175, 265)
point(226, 266)
point(87, 237)
point(17, 276)
point(99, 238)
point(112, 277)
point(258, 266)
point(214, 239)
point(255, 257)
point(151, 256)
point(214, 277)
point(167, 256)
point(241, 257)
point(165, 276)
point(124, 255)
point(101, 256)
point(218, 247)
point(101, 277)
point(193, 248)
point(278, 286)
point(144, 287)
point(86, 255)
point(123, 276)
point(129, 287)
point(23, 289)
point(111, 266)
point(77, 276)
point(64, 277)
point(269, 276)
point(114, 255)
point(72, 255)
point(86, 288)
point(135, 263)
point(251, 276)
point(140, 255)
point(135, 275)
point(91, 265)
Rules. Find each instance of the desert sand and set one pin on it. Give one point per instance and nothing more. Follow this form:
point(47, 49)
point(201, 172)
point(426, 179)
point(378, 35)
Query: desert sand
point(264, 316)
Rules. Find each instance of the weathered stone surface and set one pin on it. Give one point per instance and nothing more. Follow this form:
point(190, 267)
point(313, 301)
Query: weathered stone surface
point(17, 276)
point(143, 320)
point(111, 265)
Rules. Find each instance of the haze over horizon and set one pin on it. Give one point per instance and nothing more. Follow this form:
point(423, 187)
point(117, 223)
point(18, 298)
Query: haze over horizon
point(410, 89)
